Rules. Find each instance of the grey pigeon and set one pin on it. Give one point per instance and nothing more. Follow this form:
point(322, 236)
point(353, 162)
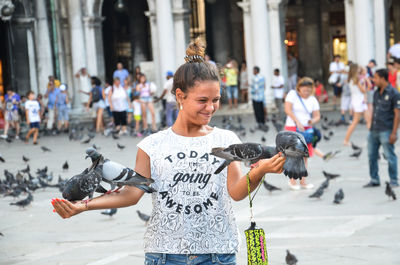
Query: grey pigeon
point(25, 202)
point(270, 187)
point(86, 141)
point(389, 191)
point(144, 217)
point(110, 212)
point(45, 149)
point(26, 170)
point(291, 144)
point(65, 166)
point(356, 153)
point(326, 138)
point(318, 193)
point(25, 159)
point(249, 153)
point(118, 175)
point(330, 175)
point(120, 146)
point(290, 258)
point(325, 184)
point(355, 147)
point(2, 159)
point(339, 195)
point(82, 185)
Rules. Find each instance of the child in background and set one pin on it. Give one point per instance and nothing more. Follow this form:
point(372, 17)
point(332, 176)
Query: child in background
point(137, 112)
point(32, 116)
point(320, 92)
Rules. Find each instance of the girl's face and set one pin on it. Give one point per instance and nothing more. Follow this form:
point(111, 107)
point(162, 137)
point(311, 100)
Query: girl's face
point(200, 102)
point(305, 91)
point(117, 82)
point(142, 79)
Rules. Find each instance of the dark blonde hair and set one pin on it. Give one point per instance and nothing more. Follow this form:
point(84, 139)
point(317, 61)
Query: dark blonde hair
point(353, 73)
point(196, 69)
point(305, 81)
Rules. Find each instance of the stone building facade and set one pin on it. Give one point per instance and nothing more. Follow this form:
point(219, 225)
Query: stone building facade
point(58, 37)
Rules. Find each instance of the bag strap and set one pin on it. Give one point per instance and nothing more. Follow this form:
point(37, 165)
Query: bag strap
point(304, 105)
point(252, 198)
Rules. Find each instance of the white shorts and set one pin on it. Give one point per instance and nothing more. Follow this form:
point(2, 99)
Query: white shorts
point(358, 106)
point(345, 103)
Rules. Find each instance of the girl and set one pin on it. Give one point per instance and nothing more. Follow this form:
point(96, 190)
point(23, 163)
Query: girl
point(128, 89)
point(117, 97)
point(302, 110)
point(146, 102)
point(137, 113)
point(192, 216)
point(358, 91)
point(96, 96)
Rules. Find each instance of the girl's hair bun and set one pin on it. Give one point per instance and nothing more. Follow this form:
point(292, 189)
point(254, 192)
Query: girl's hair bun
point(196, 51)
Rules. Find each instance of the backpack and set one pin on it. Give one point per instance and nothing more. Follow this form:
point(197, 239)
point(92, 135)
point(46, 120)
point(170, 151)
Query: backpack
point(96, 96)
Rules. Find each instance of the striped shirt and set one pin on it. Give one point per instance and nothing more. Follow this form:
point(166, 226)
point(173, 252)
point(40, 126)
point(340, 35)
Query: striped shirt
point(257, 88)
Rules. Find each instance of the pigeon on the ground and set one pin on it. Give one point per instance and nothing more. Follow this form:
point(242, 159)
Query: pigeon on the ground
point(118, 175)
point(252, 130)
point(95, 147)
point(331, 133)
point(86, 141)
point(91, 135)
point(1, 234)
point(270, 187)
point(291, 144)
point(355, 147)
point(120, 146)
point(324, 127)
point(330, 175)
point(25, 159)
point(290, 258)
point(25, 202)
point(144, 217)
point(318, 193)
point(326, 138)
point(356, 153)
point(110, 212)
point(2, 159)
point(263, 139)
point(26, 170)
point(45, 149)
point(339, 195)
point(328, 156)
point(389, 191)
point(115, 136)
point(65, 166)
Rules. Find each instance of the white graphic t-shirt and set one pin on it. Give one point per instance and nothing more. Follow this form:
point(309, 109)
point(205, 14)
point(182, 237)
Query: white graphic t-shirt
point(192, 211)
point(33, 110)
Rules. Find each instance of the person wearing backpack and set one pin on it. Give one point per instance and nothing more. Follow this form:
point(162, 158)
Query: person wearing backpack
point(96, 101)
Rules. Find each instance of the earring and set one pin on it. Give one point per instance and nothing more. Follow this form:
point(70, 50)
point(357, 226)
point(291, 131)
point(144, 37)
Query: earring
point(180, 106)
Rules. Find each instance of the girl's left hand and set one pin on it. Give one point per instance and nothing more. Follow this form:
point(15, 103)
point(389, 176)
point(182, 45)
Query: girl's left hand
point(273, 164)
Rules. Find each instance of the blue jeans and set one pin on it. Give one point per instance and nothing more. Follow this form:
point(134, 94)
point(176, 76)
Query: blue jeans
point(193, 259)
point(171, 113)
point(376, 139)
point(232, 92)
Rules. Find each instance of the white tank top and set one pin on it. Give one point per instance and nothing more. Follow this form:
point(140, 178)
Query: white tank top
point(356, 95)
point(118, 99)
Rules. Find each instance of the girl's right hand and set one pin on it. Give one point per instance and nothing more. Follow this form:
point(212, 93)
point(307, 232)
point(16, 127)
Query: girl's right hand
point(66, 209)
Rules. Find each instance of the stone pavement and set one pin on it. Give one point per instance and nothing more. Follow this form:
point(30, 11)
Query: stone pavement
point(364, 229)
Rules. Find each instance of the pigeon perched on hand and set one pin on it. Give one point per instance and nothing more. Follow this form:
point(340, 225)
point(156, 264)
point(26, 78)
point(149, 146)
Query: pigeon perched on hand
point(290, 258)
point(339, 195)
point(118, 175)
point(389, 191)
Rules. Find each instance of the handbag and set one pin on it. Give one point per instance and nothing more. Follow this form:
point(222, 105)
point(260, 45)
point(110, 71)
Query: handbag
point(311, 135)
point(255, 237)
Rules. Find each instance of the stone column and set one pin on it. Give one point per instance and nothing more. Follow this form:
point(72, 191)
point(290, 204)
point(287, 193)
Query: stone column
point(32, 61)
point(43, 46)
point(350, 26)
point(154, 46)
point(381, 32)
point(364, 31)
point(248, 39)
point(78, 49)
point(165, 33)
point(261, 45)
point(94, 46)
point(181, 27)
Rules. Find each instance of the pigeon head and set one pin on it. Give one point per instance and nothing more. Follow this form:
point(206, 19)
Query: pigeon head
point(291, 144)
point(93, 154)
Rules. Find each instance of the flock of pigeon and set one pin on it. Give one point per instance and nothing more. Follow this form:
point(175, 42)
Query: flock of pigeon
point(103, 171)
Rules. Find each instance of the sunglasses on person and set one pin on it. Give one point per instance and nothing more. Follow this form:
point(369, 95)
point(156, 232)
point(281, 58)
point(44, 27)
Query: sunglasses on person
point(306, 83)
